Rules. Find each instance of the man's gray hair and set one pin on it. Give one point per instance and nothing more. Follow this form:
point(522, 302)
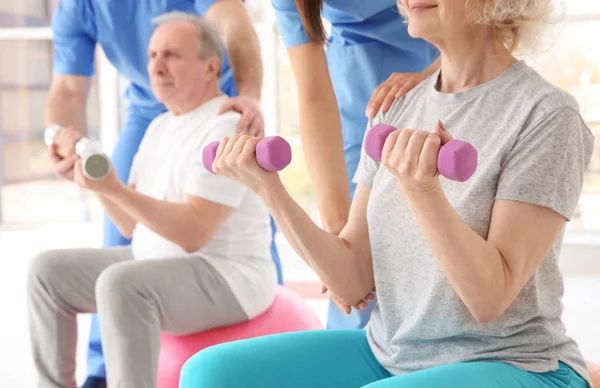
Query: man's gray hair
point(208, 37)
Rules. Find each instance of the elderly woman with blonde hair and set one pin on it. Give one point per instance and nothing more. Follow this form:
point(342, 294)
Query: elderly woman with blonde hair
point(466, 273)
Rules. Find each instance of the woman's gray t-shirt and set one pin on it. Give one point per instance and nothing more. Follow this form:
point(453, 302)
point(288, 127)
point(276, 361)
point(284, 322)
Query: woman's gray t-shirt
point(533, 147)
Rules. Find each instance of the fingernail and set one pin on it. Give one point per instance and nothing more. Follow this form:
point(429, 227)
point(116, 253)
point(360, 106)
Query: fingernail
point(441, 125)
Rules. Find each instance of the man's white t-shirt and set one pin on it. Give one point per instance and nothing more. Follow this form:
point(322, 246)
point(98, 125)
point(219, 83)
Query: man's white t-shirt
point(168, 166)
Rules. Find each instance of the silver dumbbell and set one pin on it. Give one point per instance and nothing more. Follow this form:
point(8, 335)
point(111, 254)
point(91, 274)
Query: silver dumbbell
point(95, 163)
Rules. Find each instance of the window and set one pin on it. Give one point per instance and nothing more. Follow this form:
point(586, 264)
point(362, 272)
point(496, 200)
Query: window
point(26, 13)
point(573, 64)
point(29, 190)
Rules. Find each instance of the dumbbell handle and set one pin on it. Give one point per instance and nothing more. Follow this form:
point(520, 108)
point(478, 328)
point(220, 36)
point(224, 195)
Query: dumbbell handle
point(457, 159)
point(273, 153)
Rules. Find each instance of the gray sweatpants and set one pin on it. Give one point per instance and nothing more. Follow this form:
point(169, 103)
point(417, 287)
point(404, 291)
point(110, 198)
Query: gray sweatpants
point(135, 300)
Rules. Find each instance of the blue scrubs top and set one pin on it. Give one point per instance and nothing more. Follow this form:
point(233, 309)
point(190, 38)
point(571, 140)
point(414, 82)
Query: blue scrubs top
point(123, 29)
point(368, 42)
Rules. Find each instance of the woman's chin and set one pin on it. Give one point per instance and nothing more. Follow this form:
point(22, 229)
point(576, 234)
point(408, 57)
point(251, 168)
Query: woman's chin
point(421, 31)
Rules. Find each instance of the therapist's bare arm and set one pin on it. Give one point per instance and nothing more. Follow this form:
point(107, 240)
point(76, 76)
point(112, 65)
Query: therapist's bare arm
point(321, 134)
point(66, 105)
point(67, 100)
point(241, 42)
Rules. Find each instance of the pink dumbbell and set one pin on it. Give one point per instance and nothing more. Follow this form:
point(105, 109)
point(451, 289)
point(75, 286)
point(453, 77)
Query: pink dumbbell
point(457, 160)
point(273, 153)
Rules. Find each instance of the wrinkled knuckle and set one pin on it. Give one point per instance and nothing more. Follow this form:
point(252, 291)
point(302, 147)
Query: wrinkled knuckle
point(420, 176)
point(404, 168)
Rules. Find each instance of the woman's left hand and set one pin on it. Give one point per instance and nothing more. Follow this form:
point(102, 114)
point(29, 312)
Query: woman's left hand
point(236, 159)
point(412, 157)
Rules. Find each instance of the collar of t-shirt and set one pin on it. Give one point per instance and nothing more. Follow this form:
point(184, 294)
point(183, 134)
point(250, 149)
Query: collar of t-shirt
point(207, 109)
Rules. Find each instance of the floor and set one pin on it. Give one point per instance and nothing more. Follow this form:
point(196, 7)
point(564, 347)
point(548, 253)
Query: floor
point(581, 301)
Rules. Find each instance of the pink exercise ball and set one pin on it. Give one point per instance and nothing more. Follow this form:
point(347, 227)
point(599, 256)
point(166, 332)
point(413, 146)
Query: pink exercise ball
point(289, 312)
point(594, 370)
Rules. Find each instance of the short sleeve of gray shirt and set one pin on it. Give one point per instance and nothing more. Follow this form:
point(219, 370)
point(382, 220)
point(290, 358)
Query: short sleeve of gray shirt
point(534, 147)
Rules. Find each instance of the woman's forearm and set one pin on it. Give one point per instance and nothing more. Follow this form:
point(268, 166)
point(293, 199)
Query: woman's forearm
point(474, 267)
point(347, 275)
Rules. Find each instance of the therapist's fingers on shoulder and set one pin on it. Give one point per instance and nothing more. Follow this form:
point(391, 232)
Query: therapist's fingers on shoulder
point(377, 99)
point(248, 117)
point(406, 87)
point(390, 97)
point(254, 123)
point(257, 127)
point(227, 106)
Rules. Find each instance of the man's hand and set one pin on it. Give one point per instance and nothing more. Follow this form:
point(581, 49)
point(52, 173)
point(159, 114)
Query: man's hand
point(346, 308)
point(252, 121)
point(63, 167)
point(106, 185)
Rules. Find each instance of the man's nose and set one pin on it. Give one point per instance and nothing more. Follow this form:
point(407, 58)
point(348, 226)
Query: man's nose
point(158, 65)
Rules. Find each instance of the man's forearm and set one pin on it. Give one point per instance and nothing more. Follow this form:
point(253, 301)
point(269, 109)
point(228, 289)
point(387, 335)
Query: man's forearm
point(241, 42)
point(124, 222)
point(175, 222)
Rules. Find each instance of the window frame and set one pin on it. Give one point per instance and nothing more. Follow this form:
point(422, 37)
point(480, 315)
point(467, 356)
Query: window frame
point(108, 93)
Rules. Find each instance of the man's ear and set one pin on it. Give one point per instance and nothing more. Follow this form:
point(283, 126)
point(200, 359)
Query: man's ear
point(214, 67)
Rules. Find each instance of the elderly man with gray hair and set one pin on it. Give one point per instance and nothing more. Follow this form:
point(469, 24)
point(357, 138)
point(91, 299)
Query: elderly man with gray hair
point(199, 257)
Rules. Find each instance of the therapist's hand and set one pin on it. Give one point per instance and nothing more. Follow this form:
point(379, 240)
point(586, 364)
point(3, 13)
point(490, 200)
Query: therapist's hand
point(252, 121)
point(396, 86)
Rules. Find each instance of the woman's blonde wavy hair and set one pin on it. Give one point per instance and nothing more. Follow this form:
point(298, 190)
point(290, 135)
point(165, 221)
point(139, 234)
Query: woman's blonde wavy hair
point(519, 24)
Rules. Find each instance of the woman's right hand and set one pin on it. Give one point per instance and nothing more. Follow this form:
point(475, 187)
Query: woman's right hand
point(347, 308)
point(236, 159)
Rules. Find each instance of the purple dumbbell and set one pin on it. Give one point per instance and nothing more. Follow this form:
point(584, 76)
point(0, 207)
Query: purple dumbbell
point(457, 160)
point(273, 153)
